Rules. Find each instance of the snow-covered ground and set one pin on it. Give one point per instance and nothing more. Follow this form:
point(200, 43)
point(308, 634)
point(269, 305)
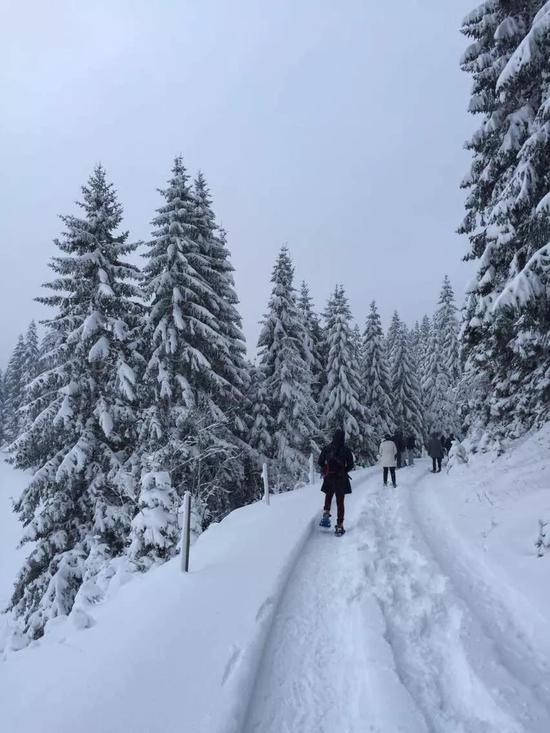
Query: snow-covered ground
point(432, 614)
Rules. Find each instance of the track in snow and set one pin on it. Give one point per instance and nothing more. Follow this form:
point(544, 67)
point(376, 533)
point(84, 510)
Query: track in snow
point(371, 636)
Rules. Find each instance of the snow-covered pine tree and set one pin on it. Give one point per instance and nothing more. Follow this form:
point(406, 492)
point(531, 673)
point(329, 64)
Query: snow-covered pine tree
point(315, 340)
point(340, 398)
point(192, 434)
point(285, 366)
point(261, 428)
point(228, 355)
point(232, 465)
point(375, 382)
point(30, 370)
point(505, 223)
point(441, 370)
point(38, 442)
point(178, 374)
point(447, 325)
point(14, 385)
point(357, 345)
point(406, 396)
point(521, 312)
point(392, 337)
point(77, 509)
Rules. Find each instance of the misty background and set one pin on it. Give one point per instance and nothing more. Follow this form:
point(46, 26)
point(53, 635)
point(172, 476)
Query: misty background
point(334, 127)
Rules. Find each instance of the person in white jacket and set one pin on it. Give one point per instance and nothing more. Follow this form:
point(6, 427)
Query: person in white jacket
point(387, 455)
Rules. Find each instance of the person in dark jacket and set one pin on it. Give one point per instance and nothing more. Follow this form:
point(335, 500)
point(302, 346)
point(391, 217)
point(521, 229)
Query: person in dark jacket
point(411, 447)
point(336, 461)
point(435, 451)
point(400, 445)
point(443, 441)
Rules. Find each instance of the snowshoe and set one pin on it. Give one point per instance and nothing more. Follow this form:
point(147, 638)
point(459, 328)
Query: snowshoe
point(325, 520)
point(339, 530)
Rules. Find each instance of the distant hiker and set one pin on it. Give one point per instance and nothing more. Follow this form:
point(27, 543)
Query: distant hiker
point(400, 446)
point(411, 447)
point(435, 451)
point(387, 455)
point(450, 441)
point(443, 440)
point(336, 461)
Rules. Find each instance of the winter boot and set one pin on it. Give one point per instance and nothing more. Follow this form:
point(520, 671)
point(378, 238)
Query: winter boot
point(339, 530)
point(325, 520)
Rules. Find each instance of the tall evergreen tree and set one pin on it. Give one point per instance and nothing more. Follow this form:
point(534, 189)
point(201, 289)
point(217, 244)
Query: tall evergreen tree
point(14, 386)
point(192, 428)
point(406, 396)
point(77, 508)
point(505, 337)
point(232, 460)
point(392, 338)
point(441, 371)
point(261, 428)
point(375, 381)
point(340, 398)
point(31, 368)
point(315, 339)
point(285, 365)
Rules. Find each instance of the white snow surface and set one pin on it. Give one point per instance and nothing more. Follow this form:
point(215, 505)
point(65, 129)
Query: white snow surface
point(432, 614)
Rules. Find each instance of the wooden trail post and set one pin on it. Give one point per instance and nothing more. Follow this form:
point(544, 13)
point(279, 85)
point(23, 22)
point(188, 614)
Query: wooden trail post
point(265, 479)
point(186, 532)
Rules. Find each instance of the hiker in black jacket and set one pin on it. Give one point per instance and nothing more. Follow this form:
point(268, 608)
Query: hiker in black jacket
point(411, 448)
point(336, 460)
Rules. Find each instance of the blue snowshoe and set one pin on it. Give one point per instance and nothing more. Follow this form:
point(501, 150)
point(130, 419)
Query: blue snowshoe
point(325, 520)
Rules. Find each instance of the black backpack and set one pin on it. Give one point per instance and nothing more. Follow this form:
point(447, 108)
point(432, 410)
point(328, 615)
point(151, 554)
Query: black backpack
point(335, 462)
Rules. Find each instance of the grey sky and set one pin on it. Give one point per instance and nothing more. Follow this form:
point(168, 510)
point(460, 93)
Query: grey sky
point(334, 126)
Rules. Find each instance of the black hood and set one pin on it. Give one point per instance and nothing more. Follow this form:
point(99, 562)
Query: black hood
point(339, 438)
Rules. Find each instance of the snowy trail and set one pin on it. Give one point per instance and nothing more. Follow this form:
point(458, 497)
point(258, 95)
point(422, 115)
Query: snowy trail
point(326, 666)
point(375, 633)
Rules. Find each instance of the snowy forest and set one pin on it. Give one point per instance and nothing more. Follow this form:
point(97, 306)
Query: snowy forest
point(139, 386)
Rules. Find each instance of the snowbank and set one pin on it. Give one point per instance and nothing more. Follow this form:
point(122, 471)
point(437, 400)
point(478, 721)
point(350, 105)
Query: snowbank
point(169, 652)
point(482, 520)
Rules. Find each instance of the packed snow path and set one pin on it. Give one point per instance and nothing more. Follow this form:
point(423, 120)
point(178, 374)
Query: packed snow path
point(383, 631)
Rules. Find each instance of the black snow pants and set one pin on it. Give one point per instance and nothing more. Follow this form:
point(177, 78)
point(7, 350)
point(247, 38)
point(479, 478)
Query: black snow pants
point(391, 469)
point(339, 505)
point(438, 461)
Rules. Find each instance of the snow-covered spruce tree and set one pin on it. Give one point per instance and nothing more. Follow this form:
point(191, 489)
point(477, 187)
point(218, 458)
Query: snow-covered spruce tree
point(14, 385)
point(441, 370)
point(228, 358)
point(505, 221)
point(285, 365)
point(521, 312)
point(375, 382)
point(392, 337)
point(447, 325)
point(407, 408)
point(340, 398)
point(39, 440)
point(31, 368)
point(315, 340)
point(194, 376)
point(261, 428)
point(77, 509)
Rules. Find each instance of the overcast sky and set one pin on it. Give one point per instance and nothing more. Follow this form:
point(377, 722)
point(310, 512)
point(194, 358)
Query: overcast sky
point(333, 126)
